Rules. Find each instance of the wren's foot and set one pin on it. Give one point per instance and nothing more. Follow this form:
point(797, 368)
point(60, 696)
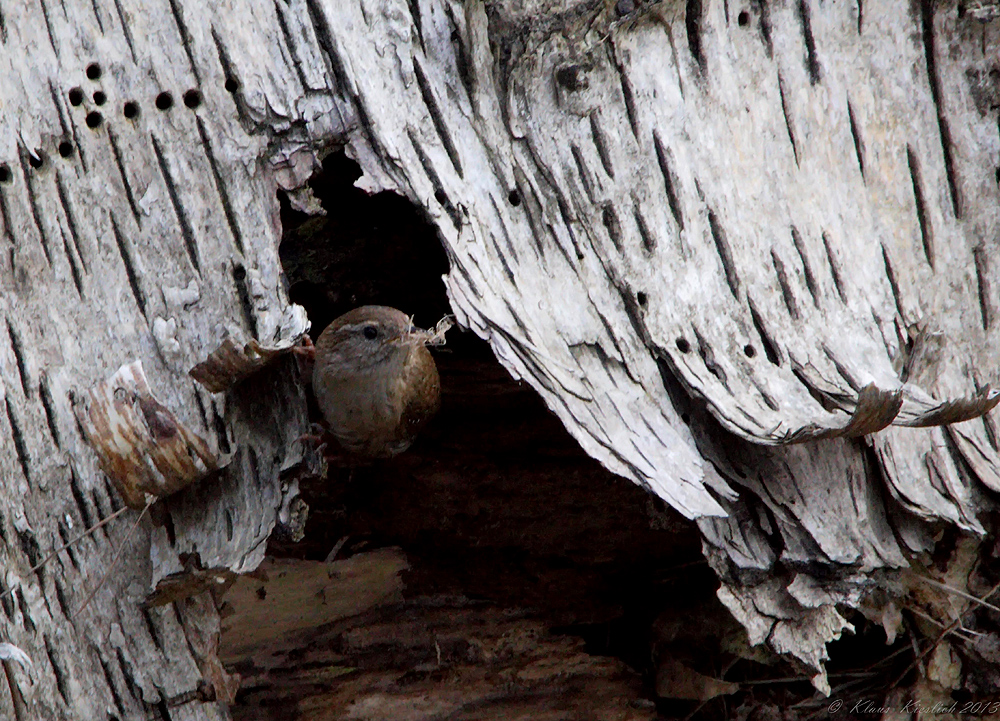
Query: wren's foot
point(328, 446)
point(305, 354)
point(305, 349)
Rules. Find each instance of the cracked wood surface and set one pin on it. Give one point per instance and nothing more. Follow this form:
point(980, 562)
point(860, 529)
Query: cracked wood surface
point(131, 232)
point(787, 211)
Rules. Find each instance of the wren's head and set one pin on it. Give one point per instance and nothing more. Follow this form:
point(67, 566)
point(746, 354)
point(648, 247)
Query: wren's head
point(367, 338)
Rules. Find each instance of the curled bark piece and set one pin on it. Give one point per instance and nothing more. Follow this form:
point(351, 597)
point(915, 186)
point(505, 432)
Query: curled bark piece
point(230, 363)
point(955, 410)
point(141, 445)
point(876, 409)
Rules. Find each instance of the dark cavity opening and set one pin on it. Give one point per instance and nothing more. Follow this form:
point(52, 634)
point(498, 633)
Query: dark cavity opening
point(94, 71)
point(36, 161)
point(100, 98)
point(683, 346)
point(743, 19)
point(75, 97)
point(94, 119)
point(164, 101)
point(5, 174)
point(131, 110)
point(65, 148)
point(514, 198)
point(232, 85)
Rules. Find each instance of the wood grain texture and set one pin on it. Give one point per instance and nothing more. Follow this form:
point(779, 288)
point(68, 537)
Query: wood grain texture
point(129, 233)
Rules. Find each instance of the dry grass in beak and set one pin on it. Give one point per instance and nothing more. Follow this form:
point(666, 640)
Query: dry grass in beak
point(436, 336)
point(433, 336)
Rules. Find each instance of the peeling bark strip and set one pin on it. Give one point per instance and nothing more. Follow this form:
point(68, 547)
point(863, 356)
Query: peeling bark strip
point(812, 64)
point(786, 289)
point(140, 443)
point(435, 113)
point(926, 233)
point(856, 136)
point(23, 459)
point(190, 244)
point(788, 119)
point(669, 180)
point(692, 22)
point(944, 133)
point(806, 268)
point(725, 254)
point(984, 286)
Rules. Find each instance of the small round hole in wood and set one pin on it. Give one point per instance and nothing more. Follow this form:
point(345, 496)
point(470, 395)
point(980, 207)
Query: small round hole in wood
point(683, 346)
point(514, 198)
point(749, 351)
point(743, 19)
point(624, 7)
point(5, 175)
point(192, 98)
point(65, 148)
point(440, 197)
point(94, 71)
point(75, 97)
point(232, 85)
point(131, 110)
point(239, 272)
point(94, 119)
point(100, 98)
point(37, 160)
point(642, 298)
point(164, 101)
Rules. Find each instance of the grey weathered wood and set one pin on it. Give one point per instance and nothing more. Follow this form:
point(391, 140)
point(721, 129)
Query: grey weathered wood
point(153, 240)
point(768, 208)
point(787, 217)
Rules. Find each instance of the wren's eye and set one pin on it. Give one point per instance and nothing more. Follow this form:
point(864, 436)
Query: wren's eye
point(370, 331)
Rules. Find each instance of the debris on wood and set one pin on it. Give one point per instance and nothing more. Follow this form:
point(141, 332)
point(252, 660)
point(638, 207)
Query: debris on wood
point(10, 652)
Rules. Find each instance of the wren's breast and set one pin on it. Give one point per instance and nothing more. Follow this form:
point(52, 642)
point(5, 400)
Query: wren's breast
point(377, 414)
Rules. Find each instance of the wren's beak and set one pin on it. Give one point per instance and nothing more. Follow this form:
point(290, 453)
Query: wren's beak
point(415, 336)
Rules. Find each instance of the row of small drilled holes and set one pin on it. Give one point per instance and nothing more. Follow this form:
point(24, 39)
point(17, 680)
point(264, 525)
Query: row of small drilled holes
point(164, 101)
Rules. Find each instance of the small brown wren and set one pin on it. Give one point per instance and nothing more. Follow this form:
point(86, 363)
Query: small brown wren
point(375, 381)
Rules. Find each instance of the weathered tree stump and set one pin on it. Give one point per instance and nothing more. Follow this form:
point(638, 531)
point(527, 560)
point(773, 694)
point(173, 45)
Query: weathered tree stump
point(745, 253)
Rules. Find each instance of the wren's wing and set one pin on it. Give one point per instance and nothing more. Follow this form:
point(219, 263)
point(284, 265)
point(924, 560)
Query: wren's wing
point(424, 396)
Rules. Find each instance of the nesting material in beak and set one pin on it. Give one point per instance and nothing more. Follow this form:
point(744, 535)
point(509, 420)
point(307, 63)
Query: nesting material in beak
point(435, 336)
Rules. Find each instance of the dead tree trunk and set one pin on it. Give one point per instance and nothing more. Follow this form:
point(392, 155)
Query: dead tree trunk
point(746, 253)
